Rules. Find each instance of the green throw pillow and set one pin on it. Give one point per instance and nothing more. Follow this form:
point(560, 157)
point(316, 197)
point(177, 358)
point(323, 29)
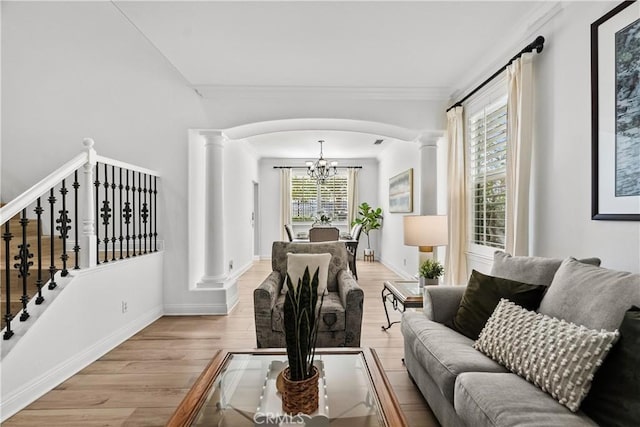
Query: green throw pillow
point(483, 294)
point(614, 398)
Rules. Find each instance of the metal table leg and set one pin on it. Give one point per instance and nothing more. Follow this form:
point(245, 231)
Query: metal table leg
point(394, 302)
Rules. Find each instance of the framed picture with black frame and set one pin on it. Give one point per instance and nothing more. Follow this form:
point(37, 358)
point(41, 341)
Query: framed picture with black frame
point(615, 114)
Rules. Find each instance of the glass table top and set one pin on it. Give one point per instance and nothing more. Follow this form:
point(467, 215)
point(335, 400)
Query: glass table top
point(243, 394)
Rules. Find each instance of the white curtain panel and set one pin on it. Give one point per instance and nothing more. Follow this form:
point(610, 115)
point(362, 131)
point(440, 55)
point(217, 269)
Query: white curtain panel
point(285, 201)
point(455, 272)
point(352, 194)
point(519, 143)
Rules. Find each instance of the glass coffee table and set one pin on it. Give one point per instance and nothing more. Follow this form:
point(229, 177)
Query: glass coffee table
point(406, 293)
point(238, 389)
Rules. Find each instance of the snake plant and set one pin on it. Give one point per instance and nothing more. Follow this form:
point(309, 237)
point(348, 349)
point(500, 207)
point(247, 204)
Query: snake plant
point(301, 324)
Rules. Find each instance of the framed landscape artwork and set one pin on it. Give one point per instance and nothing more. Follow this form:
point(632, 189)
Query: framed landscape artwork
point(401, 192)
point(615, 114)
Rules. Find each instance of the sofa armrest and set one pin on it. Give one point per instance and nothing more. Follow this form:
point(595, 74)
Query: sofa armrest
point(352, 298)
point(265, 295)
point(441, 302)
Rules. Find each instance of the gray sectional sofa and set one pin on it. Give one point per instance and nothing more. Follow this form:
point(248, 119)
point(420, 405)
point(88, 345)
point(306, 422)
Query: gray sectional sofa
point(466, 388)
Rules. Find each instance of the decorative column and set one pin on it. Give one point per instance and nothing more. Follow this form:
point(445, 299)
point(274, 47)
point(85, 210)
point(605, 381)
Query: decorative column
point(428, 142)
point(214, 259)
point(88, 250)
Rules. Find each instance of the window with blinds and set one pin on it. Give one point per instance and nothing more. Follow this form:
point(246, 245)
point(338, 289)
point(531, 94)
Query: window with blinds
point(309, 200)
point(487, 161)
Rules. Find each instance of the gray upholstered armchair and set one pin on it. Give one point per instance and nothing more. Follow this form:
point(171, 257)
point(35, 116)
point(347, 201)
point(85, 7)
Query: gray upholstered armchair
point(341, 315)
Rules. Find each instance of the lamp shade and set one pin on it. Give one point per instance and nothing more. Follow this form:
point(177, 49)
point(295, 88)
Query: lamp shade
point(425, 230)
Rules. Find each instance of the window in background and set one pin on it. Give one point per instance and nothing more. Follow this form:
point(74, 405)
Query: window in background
point(309, 200)
point(486, 175)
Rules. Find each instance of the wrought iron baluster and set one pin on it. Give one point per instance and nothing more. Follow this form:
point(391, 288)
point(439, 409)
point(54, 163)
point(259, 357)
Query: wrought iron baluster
point(151, 212)
point(145, 212)
point(106, 214)
point(38, 210)
point(52, 268)
point(155, 211)
point(64, 227)
point(97, 185)
point(76, 247)
point(120, 187)
point(127, 211)
point(113, 223)
point(139, 213)
point(6, 236)
point(133, 210)
point(23, 265)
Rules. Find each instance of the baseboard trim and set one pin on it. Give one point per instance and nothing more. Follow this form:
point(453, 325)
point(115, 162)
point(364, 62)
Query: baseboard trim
point(197, 309)
point(403, 274)
point(36, 388)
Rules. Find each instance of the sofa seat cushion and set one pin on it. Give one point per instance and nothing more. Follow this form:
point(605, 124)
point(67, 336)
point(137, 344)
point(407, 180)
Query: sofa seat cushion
point(489, 399)
point(443, 352)
point(332, 315)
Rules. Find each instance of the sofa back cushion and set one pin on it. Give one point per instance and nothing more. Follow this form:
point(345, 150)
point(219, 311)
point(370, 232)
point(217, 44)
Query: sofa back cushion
point(529, 269)
point(592, 296)
point(338, 251)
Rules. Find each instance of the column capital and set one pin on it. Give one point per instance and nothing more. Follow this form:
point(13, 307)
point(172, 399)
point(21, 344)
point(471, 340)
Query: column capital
point(213, 137)
point(429, 138)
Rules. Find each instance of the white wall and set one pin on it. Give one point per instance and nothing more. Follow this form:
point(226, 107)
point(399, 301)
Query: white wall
point(78, 69)
point(241, 171)
point(269, 179)
point(393, 253)
point(561, 204)
point(83, 322)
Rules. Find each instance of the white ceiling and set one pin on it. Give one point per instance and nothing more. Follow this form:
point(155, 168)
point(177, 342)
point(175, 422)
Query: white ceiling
point(428, 46)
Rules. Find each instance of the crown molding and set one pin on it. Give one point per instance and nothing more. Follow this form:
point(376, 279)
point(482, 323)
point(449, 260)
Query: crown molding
point(324, 92)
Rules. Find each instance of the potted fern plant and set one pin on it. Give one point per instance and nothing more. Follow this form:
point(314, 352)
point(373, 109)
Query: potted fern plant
point(371, 219)
point(300, 379)
point(429, 271)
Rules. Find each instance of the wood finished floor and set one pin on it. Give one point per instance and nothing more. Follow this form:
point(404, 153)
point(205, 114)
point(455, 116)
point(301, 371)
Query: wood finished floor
point(142, 381)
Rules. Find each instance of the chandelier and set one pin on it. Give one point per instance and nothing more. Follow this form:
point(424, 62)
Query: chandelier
point(321, 169)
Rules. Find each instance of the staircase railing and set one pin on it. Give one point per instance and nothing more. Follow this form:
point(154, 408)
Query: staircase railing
point(121, 196)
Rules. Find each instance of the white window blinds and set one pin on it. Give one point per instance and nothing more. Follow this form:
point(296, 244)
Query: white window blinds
point(487, 173)
point(309, 200)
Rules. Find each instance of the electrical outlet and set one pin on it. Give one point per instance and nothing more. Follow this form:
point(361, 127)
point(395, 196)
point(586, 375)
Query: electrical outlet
point(124, 307)
point(405, 262)
point(231, 265)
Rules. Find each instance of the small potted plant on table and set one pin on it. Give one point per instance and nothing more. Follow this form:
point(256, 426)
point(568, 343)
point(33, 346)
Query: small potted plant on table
point(430, 270)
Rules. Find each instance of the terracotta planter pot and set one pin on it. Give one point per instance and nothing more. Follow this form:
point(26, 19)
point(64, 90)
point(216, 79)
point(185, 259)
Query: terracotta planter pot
point(300, 396)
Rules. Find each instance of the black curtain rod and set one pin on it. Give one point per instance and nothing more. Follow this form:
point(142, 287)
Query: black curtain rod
point(537, 45)
point(304, 167)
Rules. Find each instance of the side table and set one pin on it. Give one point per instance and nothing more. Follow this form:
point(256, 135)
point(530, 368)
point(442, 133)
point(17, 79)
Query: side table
point(407, 293)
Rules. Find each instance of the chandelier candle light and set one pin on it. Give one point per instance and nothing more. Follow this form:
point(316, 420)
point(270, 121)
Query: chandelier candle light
point(321, 169)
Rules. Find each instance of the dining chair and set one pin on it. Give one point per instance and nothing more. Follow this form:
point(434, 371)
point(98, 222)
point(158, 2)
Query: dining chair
point(323, 234)
point(352, 248)
point(287, 227)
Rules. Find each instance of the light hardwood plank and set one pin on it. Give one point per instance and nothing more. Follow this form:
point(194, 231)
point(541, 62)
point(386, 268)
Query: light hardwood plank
point(142, 381)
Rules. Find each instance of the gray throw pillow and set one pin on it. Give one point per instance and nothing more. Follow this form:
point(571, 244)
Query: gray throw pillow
point(592, 296)
point(529, 269)
point(559, 357)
